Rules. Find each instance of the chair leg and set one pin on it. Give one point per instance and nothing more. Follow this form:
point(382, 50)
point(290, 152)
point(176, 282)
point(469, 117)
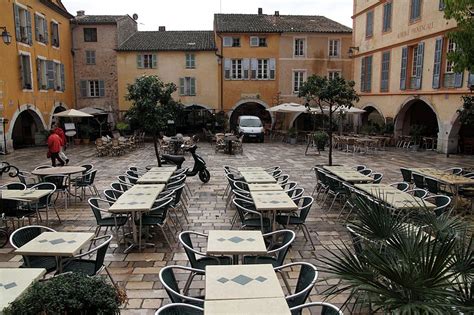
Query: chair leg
point(307, 235)
point(55, 210)
point(285, 280)
point(188, 283)
point(166, 236)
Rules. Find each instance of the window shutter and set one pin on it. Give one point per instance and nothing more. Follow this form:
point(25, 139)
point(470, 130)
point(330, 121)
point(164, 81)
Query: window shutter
point(101, 88)
point(253, 41)
point(387, 16)
point(246, 68)
point(369, 28)
point(470, 80)
point(192, 88)
point(139, 61)
point(362, 74)
point(16, 13)
point(369, 73)
point(253, 68)
point(153, 61)
point(385, 71)
point(227, 41)
point(38, 73)
point(45, 30)
point(181, 86)
point(437, 63)
point(419, 65)
point(28, 73)
point(458, 78)
point(37, 21)
point(272, 68)
point(83, 88)
point(28, 27)
point(63, 79)
point(22, 75)
point(50, 74)
point(403, 69)
point(227, 68)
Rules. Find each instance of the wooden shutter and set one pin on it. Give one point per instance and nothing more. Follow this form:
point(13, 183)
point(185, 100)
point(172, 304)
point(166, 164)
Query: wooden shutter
point(83, 88)
point(38, 73)
point(272, 68)
point(29, 31)
point(362, 74)
point(387, 16)
point(246, 68)
point(458, 78)
point(369, 27)
point(16, 14)
point(153, 61)
point(419, 65)
point(227, 41)
point(437, 63)
point(385, 71)
point(192, 86)
point(403, 69)
point(101, 88)
point(22, 75)
point(50, 74)
point(253, 68)
point(139, 61)
point(37, 22)
point(45, 31)
point(181, 86)
point(470, 80)
point(369, 73)
point(63, 79)
point(227, 68)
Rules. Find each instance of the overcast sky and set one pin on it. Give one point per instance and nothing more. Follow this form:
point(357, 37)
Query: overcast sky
point(198, 14)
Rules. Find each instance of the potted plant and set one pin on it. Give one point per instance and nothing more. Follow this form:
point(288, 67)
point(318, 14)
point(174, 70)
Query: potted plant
point(320, 138)
point(292, 133)
point(122, 127)
point(71, 293)
point(86, 131)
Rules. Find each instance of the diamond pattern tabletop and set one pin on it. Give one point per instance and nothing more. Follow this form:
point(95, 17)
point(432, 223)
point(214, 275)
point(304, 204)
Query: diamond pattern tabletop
point(137, 198)
point(14, 281)
point(221, 242)
point(64, 244)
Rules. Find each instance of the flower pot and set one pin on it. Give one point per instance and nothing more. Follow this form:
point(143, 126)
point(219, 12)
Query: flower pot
point(86, 141)
point(292, 140)
point(77, 141)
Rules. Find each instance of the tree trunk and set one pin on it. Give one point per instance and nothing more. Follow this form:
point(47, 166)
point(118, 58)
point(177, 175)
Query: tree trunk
point(330, 136)
point(157, 152)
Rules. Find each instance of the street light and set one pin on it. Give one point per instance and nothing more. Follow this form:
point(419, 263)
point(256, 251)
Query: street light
point(6, 37)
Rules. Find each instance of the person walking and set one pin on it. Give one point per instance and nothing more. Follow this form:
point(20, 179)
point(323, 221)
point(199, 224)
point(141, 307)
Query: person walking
point(60, 132)
point(54, 147)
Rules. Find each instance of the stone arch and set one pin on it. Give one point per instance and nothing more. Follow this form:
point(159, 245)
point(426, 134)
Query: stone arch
point(57, 108)
point(430, 118)
point(372, 109)
point(251, 106)
point(30, 112)
point(460, 138)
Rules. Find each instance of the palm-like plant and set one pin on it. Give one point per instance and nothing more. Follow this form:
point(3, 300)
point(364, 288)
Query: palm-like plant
point(411, 263)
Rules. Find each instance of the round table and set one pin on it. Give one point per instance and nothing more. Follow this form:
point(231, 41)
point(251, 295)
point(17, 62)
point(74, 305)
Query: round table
point(60, 170)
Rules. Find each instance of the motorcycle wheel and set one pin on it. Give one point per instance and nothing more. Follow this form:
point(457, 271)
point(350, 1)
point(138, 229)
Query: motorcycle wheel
point(204, 175)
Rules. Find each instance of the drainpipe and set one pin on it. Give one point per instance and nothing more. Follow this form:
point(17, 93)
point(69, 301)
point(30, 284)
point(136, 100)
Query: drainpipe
point(221, 81)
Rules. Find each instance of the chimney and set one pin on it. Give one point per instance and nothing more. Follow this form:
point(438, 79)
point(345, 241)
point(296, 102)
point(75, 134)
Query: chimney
point(260, 11)
point(161, 28)
point(81, 13)
point(277, 13)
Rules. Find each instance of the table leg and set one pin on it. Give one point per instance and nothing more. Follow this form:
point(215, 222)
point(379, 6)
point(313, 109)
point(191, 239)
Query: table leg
point(235, 259)
point(134, 233)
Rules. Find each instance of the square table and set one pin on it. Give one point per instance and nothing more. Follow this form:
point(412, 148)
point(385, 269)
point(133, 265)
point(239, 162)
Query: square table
point(250, 169)
point(274, 306)
point(138, 199)
point(164, 168)
point(225, 242)
point(265, 187)
point(155, 177)
point(258, 177)
point(273, 201)
point(348, 174)
point(229, 282)
point(15, 281)
point(27, 194)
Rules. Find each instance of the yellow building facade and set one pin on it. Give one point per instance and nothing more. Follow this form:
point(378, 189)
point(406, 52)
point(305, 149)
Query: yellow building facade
point(36, 77)
point(402, 73)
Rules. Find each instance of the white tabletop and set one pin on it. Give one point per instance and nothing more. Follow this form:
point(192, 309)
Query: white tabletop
point(394, 197)
point(64, 170)
point(274, 306)
point(250, 169)
point(15, 281)
point(258, 177)
point(273, 200)
point(229, 282)
point(164, 168)
point(137, 198)
point(348, 174)
point(155, 177)
point(64, 244)
point(225, 242)
point(27, 194)
point(265, 187)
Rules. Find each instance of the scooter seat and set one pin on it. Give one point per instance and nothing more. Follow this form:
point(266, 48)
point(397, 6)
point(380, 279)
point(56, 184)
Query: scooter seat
point(176, 159)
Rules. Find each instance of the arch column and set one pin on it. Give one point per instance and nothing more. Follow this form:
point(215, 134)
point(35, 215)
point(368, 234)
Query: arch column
point(38, 119)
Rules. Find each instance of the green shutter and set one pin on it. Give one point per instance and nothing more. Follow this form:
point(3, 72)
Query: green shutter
point(139, 61)
point(83, 88)
point(29, 31)
point(470, 80)
point(362, 74)
point(38, 73)
point(387, 16)
point(385, 71)
point(369, 73)
point(369, 27)
point(153, 61)
point(16, 14)
point(181, 86)
point(403, 69)
point(437, 63)
point(441, 5)
point(63, 79)
point(50, 74)
point(22, 75)
point(192, 88)
point(419, 65)
point(101, 88)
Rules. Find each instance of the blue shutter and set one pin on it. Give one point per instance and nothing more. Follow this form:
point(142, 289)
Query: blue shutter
point(253, 68)
point(246, 68)
point(419, 65)
point(369, 27)
point(458, 78)
point(50, 74)
point(153, 61)
point(83, 88)
point(139, 61)
point(362, 75)
point(369, 73)
point(437, 63)
point(38, 73)
point(385, 71)
point(470, 80)
point(227, 68)
point(387, 16)
point(181, 86)
point(16, 13)
point(63, 80)
point(192, 88)
point(101, 88)
point(403, 69)
point(46, 34)
point(272, 68)
point(29, 31)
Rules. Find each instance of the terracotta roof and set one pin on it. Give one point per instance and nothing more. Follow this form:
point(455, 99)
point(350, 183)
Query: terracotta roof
point(170, 41)
point(264, 23)
point(99, 19)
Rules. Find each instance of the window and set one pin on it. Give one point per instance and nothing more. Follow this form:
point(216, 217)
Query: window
point(146, 61)
point(231, 41)
point(257, 41)
point(412, 66)
point(42, 73)
point(333, 74)
point(415, 10)
point(414, 60)
point(334, 47)
point(59, 76)
point(366, 74)
point(298, 79)
point(369, 24)
point(236, 70)
point(25, 71)
point(23, 30)
point(55, 34)
point(41, 27)
point(187, 86)
point(450, 78)
point(441, 5)
point(262, 68)
point(190, 61)
point(90, 57)
point(451, 47)
point(90, 34)
point(385, 74)
point(299, 47)
point(387, 17)
point(92, 88)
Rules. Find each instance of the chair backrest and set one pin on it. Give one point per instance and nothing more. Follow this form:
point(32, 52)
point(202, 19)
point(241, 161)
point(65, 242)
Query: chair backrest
point(306, 204)
point(326, 308)
point(366, 171)
point(112, 195)
point(432, 185)
point(307, 278)
point(100, 252)
point(60, 181)
point(270, 170)
point(296, 194)
point(185, 240)
point(469, 175)
point(418, 192)
point(402, 186)
point(13, 186)
point(180, 309)
point(25, 234)
point(441, 201)
point(91, 177)
point(23, 177)
point(419, 180)
point(241, 185)
point(377, 177)
point(406, 174)
point(169, 282)
point(42, 166)
point(46, 200)
point(87, 167)
point(289, 186)
point(131, 175)
point(322, 176)
point(276, 173)
point(242, 194)
point(242, 206)
point(282, 179)
point(95, 207)
point(455, 170)
point(281, 249)
point(360, 167)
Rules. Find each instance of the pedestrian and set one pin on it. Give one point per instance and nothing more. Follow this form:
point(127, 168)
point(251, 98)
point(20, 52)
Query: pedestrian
point(54, 147)
point(60, 132)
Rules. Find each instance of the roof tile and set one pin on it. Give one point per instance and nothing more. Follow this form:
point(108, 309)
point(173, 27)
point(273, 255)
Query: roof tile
point(170, 41)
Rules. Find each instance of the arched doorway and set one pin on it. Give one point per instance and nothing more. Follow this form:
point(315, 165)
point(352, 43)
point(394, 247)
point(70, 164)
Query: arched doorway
point(309, 122)
point(417, 116)
point(372, 120)
point(461, 138)
point(193, 118)
point(25, 129)
point(253, 109)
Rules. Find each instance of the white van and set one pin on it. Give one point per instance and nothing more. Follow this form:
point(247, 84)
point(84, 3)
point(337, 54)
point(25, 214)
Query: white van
point(251, 127)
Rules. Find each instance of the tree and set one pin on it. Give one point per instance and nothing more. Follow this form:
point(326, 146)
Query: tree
point(329, 95)
point(152, 106)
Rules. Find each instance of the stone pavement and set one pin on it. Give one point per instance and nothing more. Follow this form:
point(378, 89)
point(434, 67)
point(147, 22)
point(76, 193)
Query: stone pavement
point(138, 272)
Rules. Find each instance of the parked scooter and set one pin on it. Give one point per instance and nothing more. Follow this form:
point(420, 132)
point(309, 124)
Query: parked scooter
point(199, 164)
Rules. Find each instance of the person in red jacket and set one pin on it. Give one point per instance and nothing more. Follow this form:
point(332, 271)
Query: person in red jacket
point(60, 132)
point(54, 147)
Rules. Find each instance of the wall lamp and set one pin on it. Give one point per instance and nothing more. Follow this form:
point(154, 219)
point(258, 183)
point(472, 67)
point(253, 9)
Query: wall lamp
point(352, 50)
point(6, 37)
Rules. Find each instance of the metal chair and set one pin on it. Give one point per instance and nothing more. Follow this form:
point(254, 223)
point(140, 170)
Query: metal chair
point(124, 180)
point(366, 172)
point(87, 167)
point(442, 202)
point(296, 194)
point(120, 186)
point(62, 186)
point(169, 282)
point(321, 182)
point(86, 180)
point(455, 170)
point(276, 173)
point(417, 192)
point(299, 220)
point(180, 308)
point(276, 253)
point(112, 195)
point(107, 221)
point(289, 186)
point(45, 203)
point(406, 174)
point(360, 167)
point(25, 234)
point(325, 308)
point(250, 218)
point(27, 179)
point(282, 179)
point(377, 177)
point(336, 189)
point(402, 186)
point(419, 181)
point(132, 178)
point(157, 216)
point(13, 186)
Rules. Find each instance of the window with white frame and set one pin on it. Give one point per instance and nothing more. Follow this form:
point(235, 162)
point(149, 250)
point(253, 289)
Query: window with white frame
point(146, 61)
point(334, 47)
point(23, 29)
point(92, 88)
point(187, 86)
point(262, 69)
point(298, 79)
point(55, 34)
point(42, 73)
point(451, 47)
point(299, 47)
point(258, 41)
point(236, 69)
point(229, 41)
point(41, 27)
point(333, 74)
point(25, 71)
point(414, 60)
point(90, 57)
point(190, 61)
